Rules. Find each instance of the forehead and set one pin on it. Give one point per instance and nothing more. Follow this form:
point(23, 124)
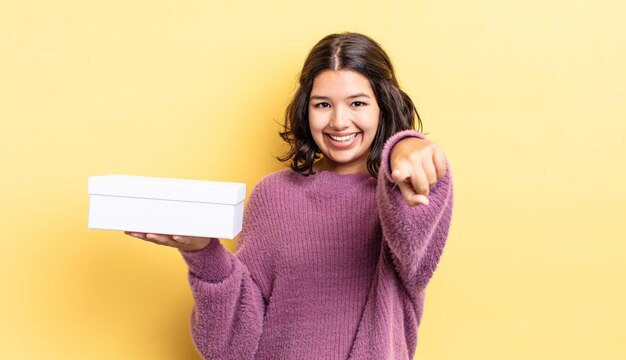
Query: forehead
point(340, 83)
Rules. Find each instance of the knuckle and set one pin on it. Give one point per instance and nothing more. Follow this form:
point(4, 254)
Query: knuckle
point(401, 164)
point(415, 157)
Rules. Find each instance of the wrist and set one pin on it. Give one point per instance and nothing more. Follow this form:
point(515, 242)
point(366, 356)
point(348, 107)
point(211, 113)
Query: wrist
point(196, 246)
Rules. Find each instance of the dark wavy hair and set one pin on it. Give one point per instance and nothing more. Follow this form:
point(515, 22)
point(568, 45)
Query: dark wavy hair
point(347, 51)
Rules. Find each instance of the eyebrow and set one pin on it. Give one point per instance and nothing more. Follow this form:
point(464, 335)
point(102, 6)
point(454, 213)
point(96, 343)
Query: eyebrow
point(320, 97)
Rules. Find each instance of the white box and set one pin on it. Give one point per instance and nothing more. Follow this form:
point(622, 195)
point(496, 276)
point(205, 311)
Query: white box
point(166, 206)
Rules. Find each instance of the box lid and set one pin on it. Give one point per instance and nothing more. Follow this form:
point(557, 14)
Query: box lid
point(215, 192)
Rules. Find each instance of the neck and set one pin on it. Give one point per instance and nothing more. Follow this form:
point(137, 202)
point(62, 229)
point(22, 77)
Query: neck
point(341, 169)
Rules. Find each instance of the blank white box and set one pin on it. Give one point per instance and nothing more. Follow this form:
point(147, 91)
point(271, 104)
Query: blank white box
point(166, 206)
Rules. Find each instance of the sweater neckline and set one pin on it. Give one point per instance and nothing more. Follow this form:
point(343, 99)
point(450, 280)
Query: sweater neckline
point(342, 178)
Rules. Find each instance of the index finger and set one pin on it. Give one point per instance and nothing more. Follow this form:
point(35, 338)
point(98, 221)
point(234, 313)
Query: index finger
point(136, 234)
point(419, 180)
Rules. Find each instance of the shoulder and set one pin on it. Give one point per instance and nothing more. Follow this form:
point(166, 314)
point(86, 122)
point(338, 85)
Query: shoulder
point(273, 179)
point(272, 192)
point(275, 183)
point(282, 179)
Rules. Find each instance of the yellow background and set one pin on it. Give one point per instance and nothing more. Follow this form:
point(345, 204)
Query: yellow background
point(527, 99)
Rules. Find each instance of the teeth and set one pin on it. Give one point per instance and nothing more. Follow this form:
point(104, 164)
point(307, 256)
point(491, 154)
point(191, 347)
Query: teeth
point(343, 138)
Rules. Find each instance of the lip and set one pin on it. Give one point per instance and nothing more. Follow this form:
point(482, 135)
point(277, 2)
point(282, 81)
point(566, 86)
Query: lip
point(342, 134)
point(342, 145)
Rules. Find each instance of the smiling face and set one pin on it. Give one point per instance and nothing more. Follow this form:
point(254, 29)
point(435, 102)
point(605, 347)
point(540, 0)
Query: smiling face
point(343, 118)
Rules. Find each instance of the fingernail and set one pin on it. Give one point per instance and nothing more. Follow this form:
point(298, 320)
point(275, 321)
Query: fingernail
point(421, 199)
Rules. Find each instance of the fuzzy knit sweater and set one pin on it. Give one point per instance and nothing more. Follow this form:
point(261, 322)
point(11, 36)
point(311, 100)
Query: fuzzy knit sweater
point(328, 266)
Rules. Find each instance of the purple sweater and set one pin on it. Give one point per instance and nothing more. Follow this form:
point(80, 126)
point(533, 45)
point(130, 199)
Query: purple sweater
point(328, 266)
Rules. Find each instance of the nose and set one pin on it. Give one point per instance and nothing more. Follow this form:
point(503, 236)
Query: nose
point(340, 118)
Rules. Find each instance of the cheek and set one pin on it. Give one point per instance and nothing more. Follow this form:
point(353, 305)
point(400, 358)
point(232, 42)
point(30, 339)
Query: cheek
point(316, 127)
point(317, 122)
point(368, 123)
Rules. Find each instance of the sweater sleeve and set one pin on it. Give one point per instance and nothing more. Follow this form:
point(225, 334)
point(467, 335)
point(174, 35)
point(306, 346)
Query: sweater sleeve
point(415, 236)
point(227, 319)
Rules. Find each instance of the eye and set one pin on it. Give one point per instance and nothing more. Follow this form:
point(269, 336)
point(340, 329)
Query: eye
point(358, 103)
point(322, 105)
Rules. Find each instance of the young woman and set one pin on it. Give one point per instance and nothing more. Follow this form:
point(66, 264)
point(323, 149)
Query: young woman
point(336, 250)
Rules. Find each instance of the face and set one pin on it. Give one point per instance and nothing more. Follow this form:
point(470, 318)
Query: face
point(343, 118)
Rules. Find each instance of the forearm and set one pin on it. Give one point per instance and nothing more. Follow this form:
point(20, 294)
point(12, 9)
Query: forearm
point(228, 313)
point(415, 235)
